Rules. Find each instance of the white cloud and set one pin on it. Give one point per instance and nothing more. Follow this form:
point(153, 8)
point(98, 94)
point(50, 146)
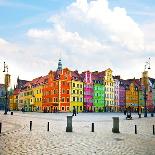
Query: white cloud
point(89, 35)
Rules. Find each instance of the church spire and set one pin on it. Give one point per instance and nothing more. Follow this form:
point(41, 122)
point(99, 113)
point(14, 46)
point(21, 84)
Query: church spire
point(59, 65)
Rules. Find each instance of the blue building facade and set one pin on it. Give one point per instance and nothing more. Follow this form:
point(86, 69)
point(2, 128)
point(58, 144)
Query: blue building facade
point(2, 96)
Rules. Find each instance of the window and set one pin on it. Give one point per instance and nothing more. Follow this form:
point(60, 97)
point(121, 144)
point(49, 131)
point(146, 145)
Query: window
point(78, 85)
point(73, 84)
point(73, 98)
point(63, 91)
point(81, 99)
point(80, 107)
point(77, 99)
point(67, 91)
point(77, 91)
point(63, 99)
point(80, 92)
point(67, 99)
point(67, 108)
point(73, 91)
point(62, 108)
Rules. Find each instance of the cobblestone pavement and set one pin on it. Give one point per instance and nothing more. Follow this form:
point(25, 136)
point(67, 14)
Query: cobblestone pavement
point(17, 139)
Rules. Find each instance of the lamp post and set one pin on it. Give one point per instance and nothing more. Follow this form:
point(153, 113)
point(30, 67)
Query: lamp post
point(145, 88)
point(7, 82)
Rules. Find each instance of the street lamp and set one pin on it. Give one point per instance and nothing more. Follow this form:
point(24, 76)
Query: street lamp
point(7, 82)
point(147, 64)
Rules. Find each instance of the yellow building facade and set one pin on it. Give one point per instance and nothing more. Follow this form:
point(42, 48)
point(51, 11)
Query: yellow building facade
point(13, 100)
point(28, 99)
point(37, 98)
point(76, 95)
point(132, 96)
point(109, 90)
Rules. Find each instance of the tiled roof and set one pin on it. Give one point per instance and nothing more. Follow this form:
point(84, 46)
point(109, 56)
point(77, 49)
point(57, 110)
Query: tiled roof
point(2, 86)
point(76, 76)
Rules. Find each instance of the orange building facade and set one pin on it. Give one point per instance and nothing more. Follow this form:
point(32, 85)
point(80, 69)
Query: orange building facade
point(56, 93)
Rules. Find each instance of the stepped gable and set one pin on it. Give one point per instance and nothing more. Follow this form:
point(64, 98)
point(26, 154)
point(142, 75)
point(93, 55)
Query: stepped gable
point(135, 81)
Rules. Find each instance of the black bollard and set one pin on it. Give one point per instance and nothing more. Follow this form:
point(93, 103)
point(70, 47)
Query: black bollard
point(0, 127)
point(135, 129)
point(92, 127)
point(153, 130)
point(30, 125)
point(115, 128)
point(48, 126)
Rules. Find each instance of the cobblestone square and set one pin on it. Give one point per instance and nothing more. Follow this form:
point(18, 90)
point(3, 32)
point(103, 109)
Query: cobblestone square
point(17, 139)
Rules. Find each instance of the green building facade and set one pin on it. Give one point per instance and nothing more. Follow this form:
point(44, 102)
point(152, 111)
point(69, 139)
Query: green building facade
point(98, 96)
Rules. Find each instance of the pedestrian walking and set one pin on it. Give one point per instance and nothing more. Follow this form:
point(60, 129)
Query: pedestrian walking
point(74, 111)
point(124, 111)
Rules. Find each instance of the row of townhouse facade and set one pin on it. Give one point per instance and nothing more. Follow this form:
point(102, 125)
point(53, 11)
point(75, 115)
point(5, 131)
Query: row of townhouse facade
point(63, 89)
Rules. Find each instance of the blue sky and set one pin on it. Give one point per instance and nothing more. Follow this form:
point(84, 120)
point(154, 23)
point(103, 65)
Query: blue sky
point(101, 33)
point(19, 15)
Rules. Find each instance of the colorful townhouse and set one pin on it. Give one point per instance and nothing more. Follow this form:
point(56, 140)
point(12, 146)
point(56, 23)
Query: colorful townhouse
point(20, 92)
point(13, 98)
point(109, 89)
point(76, 92)
point(132, 95)
point(28, 97)
point(37, 87)
point(56, 92)
point(50, 91)
point(98, 93)
point(21, 100)
point(2, 96)
point(122, 96)
point(64, 90)
point(153, 93)
point(116, 92)
point(88, 90)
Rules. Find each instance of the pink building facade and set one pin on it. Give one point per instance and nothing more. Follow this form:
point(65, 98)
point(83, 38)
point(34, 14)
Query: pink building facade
point(88, 91)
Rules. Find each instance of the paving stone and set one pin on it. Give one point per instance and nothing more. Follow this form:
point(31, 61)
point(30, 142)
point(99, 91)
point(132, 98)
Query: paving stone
point(16, 138)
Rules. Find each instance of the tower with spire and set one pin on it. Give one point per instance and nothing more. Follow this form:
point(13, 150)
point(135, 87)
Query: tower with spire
point(59, 65)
